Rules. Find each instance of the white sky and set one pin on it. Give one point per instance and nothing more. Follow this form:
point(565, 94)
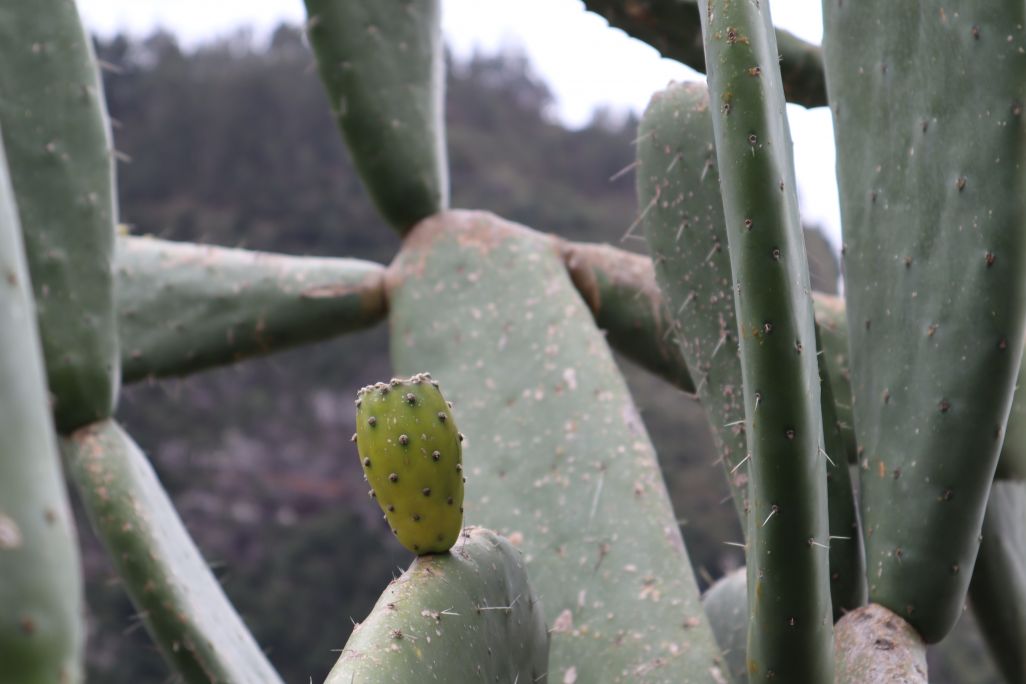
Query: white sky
point(584, 62)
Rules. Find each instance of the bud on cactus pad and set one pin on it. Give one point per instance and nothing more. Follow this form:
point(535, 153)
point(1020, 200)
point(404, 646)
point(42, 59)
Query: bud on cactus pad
point(411, 455)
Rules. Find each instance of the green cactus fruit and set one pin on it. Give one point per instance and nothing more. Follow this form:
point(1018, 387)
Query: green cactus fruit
point(412, 457)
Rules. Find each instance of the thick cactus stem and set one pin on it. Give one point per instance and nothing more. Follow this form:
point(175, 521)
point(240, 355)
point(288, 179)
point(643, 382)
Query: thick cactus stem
point(998, 588)
point(927, 106)
point(56, 132)
point(872, 644)
point(621, 291)
point(180, 601)
point(465, 616)
point(383, 66)
point(788, 537)
point(411, 455)
point(183, 307)
point(561, 464)
point(673, 28)
point(41, 627)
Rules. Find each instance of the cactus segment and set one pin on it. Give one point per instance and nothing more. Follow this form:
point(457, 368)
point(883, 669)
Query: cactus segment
point(561, 463)
point(180, 601)
point(936, 294)
point(790, 635)
point(383, 66)
point(726, 604)
point(466, 616)
point(832, 328)
point(41, 627)
point(872, 644)
point(673, 28)
point(411, 455)
point(998, 588)
point(621, 291)
point(184, 307)
point(1012, 462)
point(56, 134)
point(682, 214)
point(847, 555)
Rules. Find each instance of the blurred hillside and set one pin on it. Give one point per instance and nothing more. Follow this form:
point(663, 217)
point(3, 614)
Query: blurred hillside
point(233, 144)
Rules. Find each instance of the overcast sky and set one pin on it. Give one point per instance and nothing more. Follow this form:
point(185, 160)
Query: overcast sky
point(585, 63)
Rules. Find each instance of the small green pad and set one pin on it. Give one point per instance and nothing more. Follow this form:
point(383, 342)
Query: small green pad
point(411, 456)
point(465, 616)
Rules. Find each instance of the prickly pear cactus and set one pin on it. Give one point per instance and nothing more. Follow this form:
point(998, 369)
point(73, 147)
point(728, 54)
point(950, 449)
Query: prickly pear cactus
point(466, 616)
point(411, 456)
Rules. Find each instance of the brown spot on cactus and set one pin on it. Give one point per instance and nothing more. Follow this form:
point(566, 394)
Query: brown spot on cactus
point(441, 416)
point(426, 491)
point(411, 399)
point(393, 477)
point(372, 421)
point(366, 463)
point(404, 440)
point(435, 455)
point(960, 183)
point(989, 258)
point(944, 406)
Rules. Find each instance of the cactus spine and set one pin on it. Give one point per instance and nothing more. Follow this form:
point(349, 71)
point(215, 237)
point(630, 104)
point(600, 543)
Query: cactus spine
point(789, 637)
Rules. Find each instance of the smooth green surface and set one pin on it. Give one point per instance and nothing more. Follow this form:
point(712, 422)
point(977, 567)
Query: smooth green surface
point(383, 66)
point(411, 455)
point(927, 101)
point(178, 598)
point(790, 635)
point(55, 130)
point(726, 604)
point(621, 291)
point(832, 324)
point(1012, 462)
point(41, 621)
point(469, 615)
point(184, 307)
point(678, 189)
point(998, 588)
point(557, 458)
point(673, 28)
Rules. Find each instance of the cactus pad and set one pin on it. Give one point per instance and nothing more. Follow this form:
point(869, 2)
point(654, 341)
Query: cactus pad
point(411, 455)
point(468, 616)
